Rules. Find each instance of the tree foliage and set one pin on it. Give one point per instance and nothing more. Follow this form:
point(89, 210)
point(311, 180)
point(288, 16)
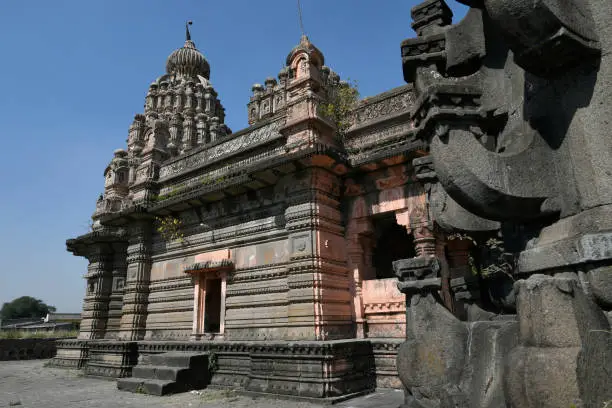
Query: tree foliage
point(342, 99)
point(24, 307)
point(170, 228)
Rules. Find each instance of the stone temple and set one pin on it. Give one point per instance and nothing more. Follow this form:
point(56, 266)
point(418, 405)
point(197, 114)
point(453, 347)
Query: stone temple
point(454, 241)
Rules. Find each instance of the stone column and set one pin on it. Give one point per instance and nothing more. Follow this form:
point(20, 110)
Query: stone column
point(119, 271)
point(318, 281)
point(359, 261)
point(99, 283)
point(463, 283)
point(135, 298)
point(424, 239)
point(445, 274)
point(355, 258)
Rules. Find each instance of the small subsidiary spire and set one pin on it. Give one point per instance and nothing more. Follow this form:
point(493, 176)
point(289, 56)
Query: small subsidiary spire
point(187, 33)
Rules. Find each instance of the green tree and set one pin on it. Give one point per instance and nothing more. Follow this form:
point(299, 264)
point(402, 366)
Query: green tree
point(25, 306)
point(342, 99)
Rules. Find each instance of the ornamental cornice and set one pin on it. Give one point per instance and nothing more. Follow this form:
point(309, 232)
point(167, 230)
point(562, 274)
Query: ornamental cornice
point(175, 298)
point(168, 308)
point(252, 305)
point(282, 349)
point(385, 307)
point(269, 272)
point(171, 284)
point(245, 291)
point(239, 142)
point(379, 136)
point(209, 266)
point(376, 154)
point(382, 107)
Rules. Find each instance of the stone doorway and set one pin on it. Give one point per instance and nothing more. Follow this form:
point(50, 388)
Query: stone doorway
point(212, 306)
point(209, 310)
point(209, 274)
point(391, 242)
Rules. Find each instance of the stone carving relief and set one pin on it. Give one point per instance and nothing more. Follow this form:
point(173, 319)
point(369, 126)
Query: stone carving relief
point(260, 135)
point(388, 106)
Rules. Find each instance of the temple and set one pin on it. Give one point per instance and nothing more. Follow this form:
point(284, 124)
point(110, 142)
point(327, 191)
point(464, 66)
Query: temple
point(419, 248)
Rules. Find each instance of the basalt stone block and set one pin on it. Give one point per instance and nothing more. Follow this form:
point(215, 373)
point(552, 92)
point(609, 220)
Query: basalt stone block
point(600, 280)
point(556, 320)
point(71, 353)
point(489, 343)
point(594, 369)
point(112, 359)
point(435, 351)
point(555, 312)
point(542, 377)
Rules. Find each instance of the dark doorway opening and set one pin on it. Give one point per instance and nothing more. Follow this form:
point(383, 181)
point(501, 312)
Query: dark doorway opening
point(392, 243)
point(212, 306)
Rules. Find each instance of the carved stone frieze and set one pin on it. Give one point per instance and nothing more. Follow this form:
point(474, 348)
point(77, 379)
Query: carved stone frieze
point(391, 103)
point(222, 150)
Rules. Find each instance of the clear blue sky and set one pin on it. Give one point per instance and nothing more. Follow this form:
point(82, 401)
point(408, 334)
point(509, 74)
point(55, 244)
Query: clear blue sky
point(75, 73)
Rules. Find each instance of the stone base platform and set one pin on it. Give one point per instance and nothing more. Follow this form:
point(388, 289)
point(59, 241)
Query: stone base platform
point(327, 371)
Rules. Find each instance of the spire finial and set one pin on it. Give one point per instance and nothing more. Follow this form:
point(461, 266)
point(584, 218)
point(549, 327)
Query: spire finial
point(187, 33)
point(299, 5)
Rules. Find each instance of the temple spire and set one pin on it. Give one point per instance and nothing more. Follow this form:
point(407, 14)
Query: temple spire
point(187, 33)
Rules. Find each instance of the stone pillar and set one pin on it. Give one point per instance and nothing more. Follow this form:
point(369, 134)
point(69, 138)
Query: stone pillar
point(135, 298)
point(319, 296)
point(99, 282)
point(355, 260)
point(119, 272)
point(464, 284)
point(358, 257)
point(424, 240)
point(445, 274)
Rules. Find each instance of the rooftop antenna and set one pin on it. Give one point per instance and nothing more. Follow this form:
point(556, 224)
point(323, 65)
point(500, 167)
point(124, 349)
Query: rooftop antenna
point(300, 16)
point(187, 33)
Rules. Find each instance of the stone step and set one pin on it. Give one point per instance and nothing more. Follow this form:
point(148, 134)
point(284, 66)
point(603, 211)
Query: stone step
point(175, 359)
point(167, 373)
point(159, 372)
point(148, 386)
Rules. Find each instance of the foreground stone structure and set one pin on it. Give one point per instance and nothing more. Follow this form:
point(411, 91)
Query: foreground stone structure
point(483, 185)
point(514, 104)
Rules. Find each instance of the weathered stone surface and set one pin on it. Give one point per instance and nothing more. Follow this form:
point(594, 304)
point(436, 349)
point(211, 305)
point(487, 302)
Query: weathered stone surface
point(34, 386)
point(26, 349)
point(514, 102)
point(168, 373)
point(594, 370)
point(435, 350)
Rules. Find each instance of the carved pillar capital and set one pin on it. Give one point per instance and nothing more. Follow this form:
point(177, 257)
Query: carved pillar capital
point(418, 274)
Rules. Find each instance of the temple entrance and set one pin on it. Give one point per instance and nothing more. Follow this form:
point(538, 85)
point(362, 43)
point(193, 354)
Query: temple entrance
point(209, 274)
point(212, 306)
point(392, 243)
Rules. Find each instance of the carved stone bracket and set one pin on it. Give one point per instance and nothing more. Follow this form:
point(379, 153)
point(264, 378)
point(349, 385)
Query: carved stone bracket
point(418, 274)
